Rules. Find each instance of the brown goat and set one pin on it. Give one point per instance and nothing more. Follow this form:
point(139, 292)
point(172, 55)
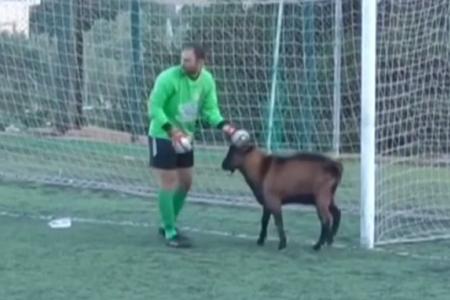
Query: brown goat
point(303, 178)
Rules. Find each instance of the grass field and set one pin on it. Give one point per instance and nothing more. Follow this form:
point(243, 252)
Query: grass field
point(112, 251)
point(413, 198)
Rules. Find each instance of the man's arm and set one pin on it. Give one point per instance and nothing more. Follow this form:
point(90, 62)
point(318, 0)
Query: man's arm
point(210, 109)
point(160, 93)
point(211, 113)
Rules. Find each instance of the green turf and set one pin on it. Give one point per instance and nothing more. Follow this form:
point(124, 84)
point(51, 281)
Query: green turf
point(422, 191)
point(128, 261)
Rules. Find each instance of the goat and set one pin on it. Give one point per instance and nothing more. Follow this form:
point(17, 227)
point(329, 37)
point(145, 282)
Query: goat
point(302, 178)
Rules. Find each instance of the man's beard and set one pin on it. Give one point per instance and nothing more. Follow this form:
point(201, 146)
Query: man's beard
point(192, 73)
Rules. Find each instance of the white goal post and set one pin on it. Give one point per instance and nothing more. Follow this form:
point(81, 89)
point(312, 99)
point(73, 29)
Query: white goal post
point(368, 101)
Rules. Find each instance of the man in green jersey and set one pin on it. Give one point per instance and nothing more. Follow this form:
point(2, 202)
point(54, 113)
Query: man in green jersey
point(180, 96)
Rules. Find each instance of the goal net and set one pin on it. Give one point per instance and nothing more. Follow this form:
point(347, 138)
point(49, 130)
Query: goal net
point(412, 121)
point(74, 90)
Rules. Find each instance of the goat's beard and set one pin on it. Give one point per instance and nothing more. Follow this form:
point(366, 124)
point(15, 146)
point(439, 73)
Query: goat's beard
point(231, 171)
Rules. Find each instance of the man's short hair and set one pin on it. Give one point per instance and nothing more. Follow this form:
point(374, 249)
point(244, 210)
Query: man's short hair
point(199, 52)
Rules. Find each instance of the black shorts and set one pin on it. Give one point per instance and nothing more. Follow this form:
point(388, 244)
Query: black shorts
point(163, 155)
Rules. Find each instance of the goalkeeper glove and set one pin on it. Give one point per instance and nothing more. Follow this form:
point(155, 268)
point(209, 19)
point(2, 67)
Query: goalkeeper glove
point(181, 142)
point(238, 137)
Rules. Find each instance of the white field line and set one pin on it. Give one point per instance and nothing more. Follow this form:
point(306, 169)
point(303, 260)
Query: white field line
point(212, 232)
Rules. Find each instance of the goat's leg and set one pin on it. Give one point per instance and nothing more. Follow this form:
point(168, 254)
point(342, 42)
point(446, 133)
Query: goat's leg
point(264, 222)
point(325, 220)
point(336, 213)
point(273, 204)
point(280, 227)
point(322, 237)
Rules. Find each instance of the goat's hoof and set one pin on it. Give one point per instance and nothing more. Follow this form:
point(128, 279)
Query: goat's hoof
point(282, 245)
point(317, 247)
point(330, 241)
point(260, 242)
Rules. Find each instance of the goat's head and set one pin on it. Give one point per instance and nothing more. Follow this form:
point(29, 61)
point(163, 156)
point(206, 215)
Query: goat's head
point(235, 157)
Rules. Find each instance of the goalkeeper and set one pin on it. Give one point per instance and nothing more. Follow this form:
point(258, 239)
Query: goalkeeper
point(180, 96)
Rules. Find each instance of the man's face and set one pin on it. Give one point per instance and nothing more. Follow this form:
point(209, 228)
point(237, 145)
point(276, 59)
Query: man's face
point(190, 63)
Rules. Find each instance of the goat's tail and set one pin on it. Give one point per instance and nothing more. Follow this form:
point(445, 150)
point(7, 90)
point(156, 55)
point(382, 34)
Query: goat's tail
point(336, 168)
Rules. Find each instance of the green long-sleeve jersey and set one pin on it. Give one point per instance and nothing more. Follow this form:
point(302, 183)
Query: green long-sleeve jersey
point(181, 101)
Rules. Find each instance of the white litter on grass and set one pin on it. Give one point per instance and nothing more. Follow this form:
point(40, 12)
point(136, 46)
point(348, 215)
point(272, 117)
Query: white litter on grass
point(60, 223)
point(130, 158)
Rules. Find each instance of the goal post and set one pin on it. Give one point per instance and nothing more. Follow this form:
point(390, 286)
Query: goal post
point(368, 110)
point(338, 36)
point(276, 56)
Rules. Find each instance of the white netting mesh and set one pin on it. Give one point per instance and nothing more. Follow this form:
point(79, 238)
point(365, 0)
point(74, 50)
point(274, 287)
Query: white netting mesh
point(412, 121)
point(46, 82)
point(75, 87)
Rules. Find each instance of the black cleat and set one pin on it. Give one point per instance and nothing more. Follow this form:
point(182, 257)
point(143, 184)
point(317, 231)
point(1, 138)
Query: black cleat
point(178, 242)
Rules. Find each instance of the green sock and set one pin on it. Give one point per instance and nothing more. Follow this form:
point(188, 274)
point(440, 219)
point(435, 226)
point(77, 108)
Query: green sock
point(166, 211)
point(178, 202)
